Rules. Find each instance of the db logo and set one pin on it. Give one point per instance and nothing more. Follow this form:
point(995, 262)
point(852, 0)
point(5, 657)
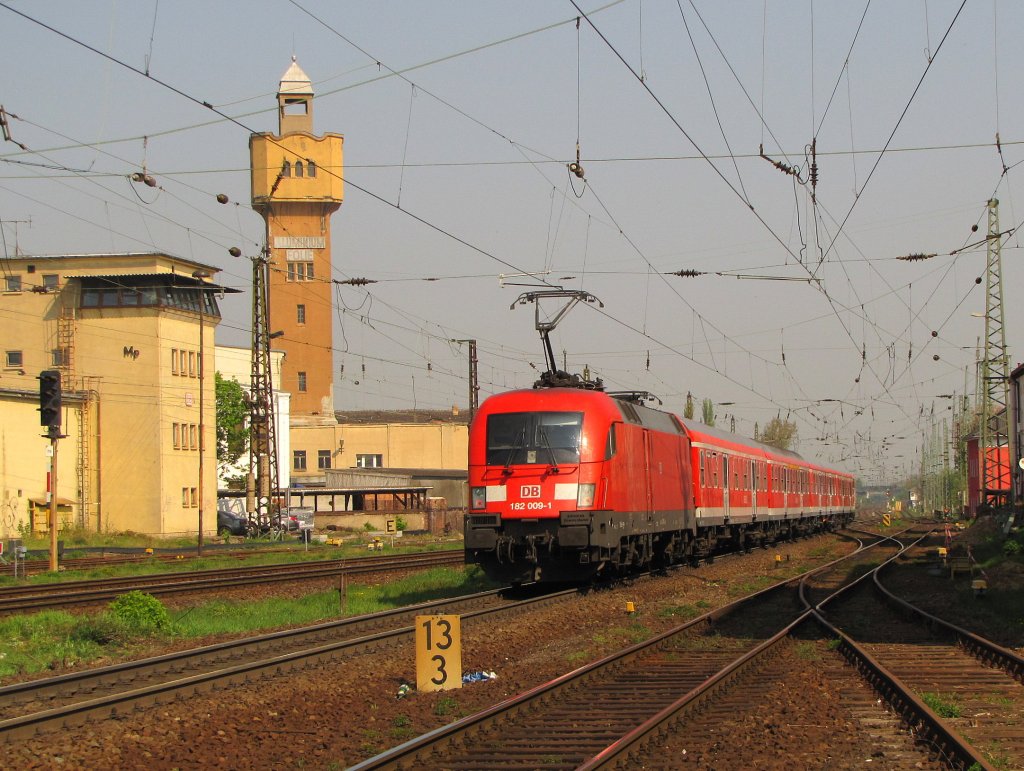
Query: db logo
point(529, 491)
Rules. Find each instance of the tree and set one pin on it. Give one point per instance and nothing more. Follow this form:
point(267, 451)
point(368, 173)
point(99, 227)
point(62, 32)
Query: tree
point(780, 433)
point(688, 409)
point(232, 427)
point(707, 409)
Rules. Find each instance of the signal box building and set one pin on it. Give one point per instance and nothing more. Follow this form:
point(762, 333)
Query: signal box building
point(125, 331)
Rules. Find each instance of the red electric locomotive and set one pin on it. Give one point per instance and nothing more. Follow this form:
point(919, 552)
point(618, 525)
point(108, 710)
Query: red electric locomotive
point(570, 482)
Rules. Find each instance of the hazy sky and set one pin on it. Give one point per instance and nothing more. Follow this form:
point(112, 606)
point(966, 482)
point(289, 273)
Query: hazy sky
point(459, 119)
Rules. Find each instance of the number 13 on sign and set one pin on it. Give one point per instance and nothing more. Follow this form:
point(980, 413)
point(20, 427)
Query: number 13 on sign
point(438, 653)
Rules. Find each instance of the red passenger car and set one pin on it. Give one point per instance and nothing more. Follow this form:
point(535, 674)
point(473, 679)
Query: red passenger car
point(568, 483)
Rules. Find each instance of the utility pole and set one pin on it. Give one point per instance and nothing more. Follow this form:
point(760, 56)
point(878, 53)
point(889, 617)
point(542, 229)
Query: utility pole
point(474, 383)
point(262, 484)
point(200, 276)
point(995, 375)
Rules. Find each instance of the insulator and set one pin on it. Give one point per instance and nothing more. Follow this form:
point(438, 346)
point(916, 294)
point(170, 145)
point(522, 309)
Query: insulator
point(234, 251)
point(358, 281)
point(687, 273)
point(221, 198)
point(916, 257)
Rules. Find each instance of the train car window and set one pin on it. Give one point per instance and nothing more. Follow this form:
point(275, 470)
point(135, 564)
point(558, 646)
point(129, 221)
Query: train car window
point(714, 467)
point(701, 456)
point(609, 448)
point(656, 419)
point(533, 438)
point(628, 411)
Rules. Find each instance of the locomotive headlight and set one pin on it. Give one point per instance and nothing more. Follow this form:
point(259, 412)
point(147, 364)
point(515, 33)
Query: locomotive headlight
point(478, 497)
point(585, 496)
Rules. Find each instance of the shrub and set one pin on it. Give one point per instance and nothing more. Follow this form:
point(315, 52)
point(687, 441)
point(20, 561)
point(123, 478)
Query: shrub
point(401, 523)
point(140, 612)
point(1012, 548)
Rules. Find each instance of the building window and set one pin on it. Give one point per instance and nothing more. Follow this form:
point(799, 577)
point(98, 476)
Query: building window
point(59, 357)
point(183, 368)
point(300, 314)
point(176, 433)
point(184, 497)
point(51, 281)
point(286, 169)
point(14, 283)
point(369, 461)
point(195, 498)
point(310, 169)
point(299, 460)
point(15, 359)
point(174, 361)
point(191, 363)
point(193, 443)
point(302, 382)
point(323, 458)
point(298, 168)
point(300, 271)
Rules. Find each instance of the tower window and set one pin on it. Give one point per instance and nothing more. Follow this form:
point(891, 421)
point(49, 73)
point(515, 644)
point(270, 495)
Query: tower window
point(300, 271)
point(298, 168)
point(302, 382)
point(310, 169)
point(300, 314)
point(286, 169)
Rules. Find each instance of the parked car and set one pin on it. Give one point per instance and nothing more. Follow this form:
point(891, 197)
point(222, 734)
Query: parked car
point(287, 522)
point(231, 523)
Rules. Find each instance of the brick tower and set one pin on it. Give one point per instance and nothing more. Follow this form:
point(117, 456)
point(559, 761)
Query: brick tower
point(296, 187)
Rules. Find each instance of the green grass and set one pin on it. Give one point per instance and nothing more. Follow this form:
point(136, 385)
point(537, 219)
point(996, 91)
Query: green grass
point(254, 558)
point(941, 704)
point(684, 612)
point(807, 651)
point(52, 640)
point(753, 585)
point(448, 705)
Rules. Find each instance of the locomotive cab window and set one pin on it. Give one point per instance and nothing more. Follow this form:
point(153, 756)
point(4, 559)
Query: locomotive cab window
point(609, 448)
point(534, 438)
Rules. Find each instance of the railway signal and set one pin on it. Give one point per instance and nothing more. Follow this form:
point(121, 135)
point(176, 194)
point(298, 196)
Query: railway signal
point(50, 401)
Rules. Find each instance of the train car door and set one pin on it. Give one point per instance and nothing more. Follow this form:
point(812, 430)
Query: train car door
point(648, 476)
point(753, 479)
point(725, 484)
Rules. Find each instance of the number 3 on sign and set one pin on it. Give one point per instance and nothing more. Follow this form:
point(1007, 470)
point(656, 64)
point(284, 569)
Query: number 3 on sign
point(438, 653)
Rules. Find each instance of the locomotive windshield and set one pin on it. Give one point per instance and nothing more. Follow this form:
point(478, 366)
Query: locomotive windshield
point(533, 437)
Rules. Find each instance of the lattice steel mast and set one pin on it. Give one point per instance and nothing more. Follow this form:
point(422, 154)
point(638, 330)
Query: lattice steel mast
point(995, 374)
point(263, 480)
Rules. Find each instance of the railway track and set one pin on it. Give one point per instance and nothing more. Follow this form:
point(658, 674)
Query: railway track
point(27, 598)
point(978, 685)
point(600, 713)
point(114, 559)
point(74, 699)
